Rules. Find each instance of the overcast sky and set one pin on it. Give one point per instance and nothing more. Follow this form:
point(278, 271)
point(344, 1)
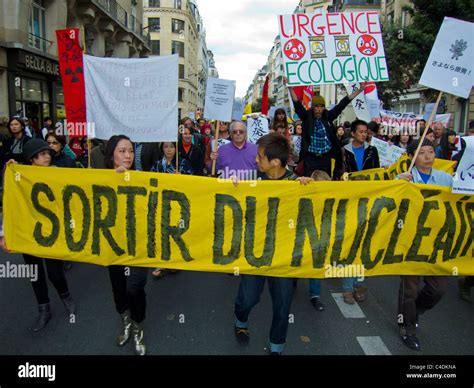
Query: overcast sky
point(241, 34)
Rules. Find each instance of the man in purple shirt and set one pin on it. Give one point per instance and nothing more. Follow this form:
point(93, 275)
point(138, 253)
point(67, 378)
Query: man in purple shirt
point(238, 157)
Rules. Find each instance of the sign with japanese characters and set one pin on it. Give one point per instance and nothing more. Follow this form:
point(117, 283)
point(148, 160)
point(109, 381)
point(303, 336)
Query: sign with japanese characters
point(332, 48)
point(219, 102)
point(256, 128)
point(464, 178)
point(450, 66)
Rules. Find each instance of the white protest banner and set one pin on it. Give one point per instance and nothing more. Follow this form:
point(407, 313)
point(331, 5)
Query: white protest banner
point(332, 48)
point(397, 122)
point(297, 141)
point(394, 153)
point(256, 128)
point(133, 97)
point(238, 110)
point(464, 178)
point(359, 103)
point(220, 143)
point(219, 99)
point(450, 67)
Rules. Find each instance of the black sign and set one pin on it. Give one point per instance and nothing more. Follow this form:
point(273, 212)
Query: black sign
point(37, 63)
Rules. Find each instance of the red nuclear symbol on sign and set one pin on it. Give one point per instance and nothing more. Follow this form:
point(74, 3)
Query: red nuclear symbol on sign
point(367, 45)
point(294, 49)
point(369, 87)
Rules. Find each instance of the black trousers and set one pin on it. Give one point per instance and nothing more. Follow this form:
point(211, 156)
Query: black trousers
point(412, 302)
point(55, 269)
point(469, 281)
point(128, 287)
point(317, 162)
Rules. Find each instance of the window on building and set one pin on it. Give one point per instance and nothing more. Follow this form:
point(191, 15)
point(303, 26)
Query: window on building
point(177, 4)
point(177, 48)
point(180, 94)
point(155, 47)
point(177, 26)
point(154, 24)
point(154, 3)
point(181, 71)
point(37, 25)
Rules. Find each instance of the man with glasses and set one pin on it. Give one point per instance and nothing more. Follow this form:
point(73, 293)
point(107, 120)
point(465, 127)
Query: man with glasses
point(319, 143)
point(236, 158)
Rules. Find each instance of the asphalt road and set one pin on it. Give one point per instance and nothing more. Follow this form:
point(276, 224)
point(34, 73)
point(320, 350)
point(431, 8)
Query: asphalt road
point(191, 313)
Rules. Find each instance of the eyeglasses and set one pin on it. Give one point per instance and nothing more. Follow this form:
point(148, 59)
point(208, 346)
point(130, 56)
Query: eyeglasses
point(238, 132)
point(53, 142)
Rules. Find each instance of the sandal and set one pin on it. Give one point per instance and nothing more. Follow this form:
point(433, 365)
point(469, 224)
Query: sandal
point(158, 273)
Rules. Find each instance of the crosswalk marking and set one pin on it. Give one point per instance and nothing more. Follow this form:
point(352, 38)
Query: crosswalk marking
point(348, 310)
point(373, 346)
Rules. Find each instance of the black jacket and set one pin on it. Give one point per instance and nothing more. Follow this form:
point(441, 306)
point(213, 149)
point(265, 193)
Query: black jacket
point(9, 151)
point(63, 160)
point(150, 155)
point(371, 158)
point(327, 118)
point(194, 157)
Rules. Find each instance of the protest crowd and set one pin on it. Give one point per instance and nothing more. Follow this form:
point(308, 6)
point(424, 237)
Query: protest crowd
point(308, 144)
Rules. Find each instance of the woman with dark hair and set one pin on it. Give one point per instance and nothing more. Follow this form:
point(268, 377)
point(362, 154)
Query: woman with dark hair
point(37, 152)
point(340, 133)
point(191, 152)
point(15, 144)
point(403, 140)
point(57, 144)
point(280, 118)
point(446, 145)
point(167, 165)
point(128, 283)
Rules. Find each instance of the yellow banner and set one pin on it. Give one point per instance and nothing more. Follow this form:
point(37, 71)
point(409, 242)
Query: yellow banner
point(402, 165)
point(325, 229)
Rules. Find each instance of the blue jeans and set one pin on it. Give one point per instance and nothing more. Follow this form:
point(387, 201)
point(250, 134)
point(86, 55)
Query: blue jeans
point(281, 291)
point(348, 284)
point(314, 288)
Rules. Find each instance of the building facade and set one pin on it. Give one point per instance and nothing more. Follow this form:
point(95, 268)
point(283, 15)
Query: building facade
point(30, 82)
point(173, 26)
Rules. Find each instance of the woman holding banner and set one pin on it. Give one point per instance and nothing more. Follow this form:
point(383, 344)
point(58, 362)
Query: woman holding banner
point(167, 165)
point(128, 283)
point(37, 152)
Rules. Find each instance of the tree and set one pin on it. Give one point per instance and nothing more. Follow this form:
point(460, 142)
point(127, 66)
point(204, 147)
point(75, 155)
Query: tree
point(257, 105)
point(407, 49)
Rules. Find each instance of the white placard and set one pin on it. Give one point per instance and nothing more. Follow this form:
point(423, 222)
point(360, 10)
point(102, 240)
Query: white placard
point(297, 141)
point(256, 128)
point(133, 97)
point(332, 48)
point(220, 143)
point(396, 122)
point(219, 99)
point(238, 110)
point(450, 66)
point(464, 178)
point(388, 154)
point(359, 103)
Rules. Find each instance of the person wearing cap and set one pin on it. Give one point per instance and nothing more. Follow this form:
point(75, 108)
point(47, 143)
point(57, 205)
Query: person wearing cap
point(37, 152)
point(319, 143)
point(411, 302)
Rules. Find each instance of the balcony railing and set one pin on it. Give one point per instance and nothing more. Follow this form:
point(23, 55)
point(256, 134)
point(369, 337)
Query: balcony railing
point(119, 14)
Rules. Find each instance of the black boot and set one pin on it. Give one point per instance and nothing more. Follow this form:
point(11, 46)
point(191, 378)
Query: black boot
point(68, 303)
point(43, 317)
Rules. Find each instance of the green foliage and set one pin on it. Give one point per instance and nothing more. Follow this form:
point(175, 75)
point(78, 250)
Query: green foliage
point(257, 105)
point(407, 49)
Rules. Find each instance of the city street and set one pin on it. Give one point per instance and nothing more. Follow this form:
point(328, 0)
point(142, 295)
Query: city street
point(192, 314)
